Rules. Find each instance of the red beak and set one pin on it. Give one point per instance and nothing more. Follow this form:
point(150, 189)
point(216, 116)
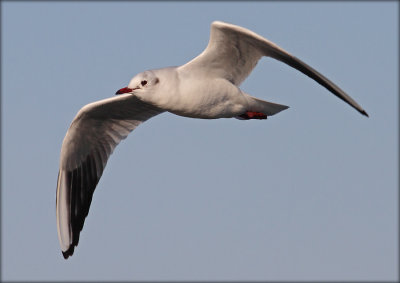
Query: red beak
point(124, 90)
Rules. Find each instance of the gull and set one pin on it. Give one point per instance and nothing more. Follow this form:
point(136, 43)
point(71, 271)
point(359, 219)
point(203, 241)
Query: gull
point(207, 87)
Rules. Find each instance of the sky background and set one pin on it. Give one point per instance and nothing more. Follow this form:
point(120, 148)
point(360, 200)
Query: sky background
point(309, 194)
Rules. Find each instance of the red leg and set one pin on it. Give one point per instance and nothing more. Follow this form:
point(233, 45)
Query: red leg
point(253, 115)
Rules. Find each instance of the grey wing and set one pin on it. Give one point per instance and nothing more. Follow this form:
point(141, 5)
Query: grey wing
point(94, 133)
point(233, 52)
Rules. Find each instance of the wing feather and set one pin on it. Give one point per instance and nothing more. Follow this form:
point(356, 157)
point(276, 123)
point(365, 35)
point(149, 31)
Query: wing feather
point(233, 52)
point(93, 135)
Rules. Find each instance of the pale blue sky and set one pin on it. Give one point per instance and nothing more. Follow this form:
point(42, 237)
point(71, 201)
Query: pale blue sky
point(309, 194)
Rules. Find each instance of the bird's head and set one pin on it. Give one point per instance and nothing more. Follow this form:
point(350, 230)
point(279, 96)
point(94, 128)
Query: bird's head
point(141, 84)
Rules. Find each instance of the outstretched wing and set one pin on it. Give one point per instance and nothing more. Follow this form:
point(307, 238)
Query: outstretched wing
point(233, 52)
point(94, 133)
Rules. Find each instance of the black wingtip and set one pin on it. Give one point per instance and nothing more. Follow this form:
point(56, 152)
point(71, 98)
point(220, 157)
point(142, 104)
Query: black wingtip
point(68, 252)
point(364, 113)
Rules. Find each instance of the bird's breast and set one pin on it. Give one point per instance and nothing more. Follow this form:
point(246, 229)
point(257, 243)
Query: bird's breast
point(208, 99)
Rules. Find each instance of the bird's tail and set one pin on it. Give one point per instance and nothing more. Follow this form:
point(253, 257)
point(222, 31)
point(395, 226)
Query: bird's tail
point(265, 107)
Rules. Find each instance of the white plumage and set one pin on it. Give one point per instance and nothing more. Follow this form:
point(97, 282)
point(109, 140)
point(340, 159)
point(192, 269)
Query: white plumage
point(206, 87)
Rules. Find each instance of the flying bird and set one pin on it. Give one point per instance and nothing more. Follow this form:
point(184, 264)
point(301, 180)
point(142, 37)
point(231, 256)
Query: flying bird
point(207, 87)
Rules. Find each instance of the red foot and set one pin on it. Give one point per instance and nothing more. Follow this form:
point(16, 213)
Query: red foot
point(253, 115)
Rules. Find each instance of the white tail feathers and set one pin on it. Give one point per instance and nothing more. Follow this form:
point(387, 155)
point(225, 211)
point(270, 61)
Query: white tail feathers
point(263, 106)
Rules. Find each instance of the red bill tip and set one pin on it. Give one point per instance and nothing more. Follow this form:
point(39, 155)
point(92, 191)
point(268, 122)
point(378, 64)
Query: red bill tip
point(124, 90)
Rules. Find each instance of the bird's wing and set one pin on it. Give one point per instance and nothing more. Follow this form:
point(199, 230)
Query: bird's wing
point(94, 133)
point(233, 52)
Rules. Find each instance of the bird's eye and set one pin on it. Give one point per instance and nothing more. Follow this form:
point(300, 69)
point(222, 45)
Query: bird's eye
point(143, 83)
